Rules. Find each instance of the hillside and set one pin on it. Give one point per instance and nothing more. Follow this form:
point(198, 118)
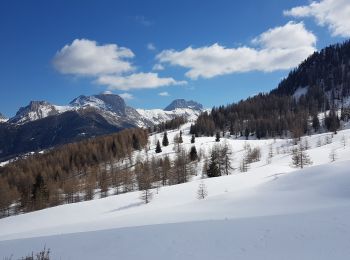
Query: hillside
point(272, 211)
point(319, 84)
point(41, 125)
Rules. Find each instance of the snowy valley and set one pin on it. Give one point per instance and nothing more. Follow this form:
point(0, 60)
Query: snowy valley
point(272, 211)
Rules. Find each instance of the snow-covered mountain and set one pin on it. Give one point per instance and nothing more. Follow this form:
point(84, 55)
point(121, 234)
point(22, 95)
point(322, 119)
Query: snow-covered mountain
point(182, 104)
point(112, 108)
point(3, 118)
point(42, 125)
point(157, 116)
point(37, 110)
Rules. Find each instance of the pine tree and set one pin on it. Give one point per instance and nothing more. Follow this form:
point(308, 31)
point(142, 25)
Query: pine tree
point(180, 138)
point(165, 140)
point(213, 168)
point(193, 154)
point(158, 148)
point(193, 139)
point(315, 122)
point(217, 137)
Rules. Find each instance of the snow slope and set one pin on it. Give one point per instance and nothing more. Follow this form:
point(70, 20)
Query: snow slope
point(272, 211)
point(157, 116)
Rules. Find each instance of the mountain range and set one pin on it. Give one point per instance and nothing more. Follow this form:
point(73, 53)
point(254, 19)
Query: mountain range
point(41, 125)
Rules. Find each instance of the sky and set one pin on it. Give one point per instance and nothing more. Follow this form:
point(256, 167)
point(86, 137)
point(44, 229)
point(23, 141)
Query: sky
point(151, 52)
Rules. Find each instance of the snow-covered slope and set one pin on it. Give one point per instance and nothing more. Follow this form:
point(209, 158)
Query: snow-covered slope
point(37, 110)
point(273, 211)
point(157, 116)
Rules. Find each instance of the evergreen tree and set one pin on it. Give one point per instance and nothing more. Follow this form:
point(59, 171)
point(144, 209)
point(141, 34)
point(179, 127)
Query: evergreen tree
point(315, 123)
point(193, 154)
point(213, 167)
point(165, 140)
point(193, 139)
point(158, 148)
point(180, 138)
point(217, 137)
point(332, 121)
point(246, 133)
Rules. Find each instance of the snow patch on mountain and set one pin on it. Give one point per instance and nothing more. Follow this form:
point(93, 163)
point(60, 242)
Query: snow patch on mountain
point(3, 118)
point(157, 116)
point(301, 91)
point(112, 108)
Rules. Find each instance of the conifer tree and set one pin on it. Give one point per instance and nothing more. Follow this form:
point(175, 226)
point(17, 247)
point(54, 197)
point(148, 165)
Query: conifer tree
point(165, 140)
point(193, 154)
point(193, 139)
point(217, 137)
point(158, 148)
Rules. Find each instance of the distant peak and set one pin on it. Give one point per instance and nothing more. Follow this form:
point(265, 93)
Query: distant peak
point(182, 103)
point(106, 101)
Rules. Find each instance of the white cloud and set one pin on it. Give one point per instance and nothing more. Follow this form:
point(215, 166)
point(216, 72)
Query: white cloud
point(151, 46)
point(278, 48)
point(137, 81)
point(108, 64)
point(158, 67)
point(87, 58)
point(126, 96)
point(335, 14)
point(164, 94)
point(107, 92)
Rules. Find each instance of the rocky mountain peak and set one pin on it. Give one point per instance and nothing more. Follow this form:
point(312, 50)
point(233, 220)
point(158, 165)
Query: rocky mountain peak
point(182, 103)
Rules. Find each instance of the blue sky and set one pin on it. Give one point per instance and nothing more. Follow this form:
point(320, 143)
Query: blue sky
point(151, 52)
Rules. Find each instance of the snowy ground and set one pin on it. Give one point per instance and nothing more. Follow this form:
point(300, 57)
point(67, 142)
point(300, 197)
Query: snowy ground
point(273, 211)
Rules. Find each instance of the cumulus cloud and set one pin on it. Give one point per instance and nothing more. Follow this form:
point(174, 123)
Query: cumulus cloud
point(279, 48)
point(87, 58)
point(137, 81)
point(108, 64)
point(158, 67)
point(151, 46)
point(164, 94)
point(335, 14)
point(126, 96)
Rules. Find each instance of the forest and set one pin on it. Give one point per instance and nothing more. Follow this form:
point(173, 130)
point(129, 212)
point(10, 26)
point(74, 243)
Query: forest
point(325, 74)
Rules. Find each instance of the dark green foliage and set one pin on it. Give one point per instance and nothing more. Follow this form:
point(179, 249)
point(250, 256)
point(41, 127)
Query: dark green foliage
point(193, 154)
point(213, 168)
point(217, 137)
point(193, 139)
point(169, 125)
point(332, 121)
point(165, 141)
point(180, 141)
point(315, 123)
point(278, 113)
point(158, 148)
